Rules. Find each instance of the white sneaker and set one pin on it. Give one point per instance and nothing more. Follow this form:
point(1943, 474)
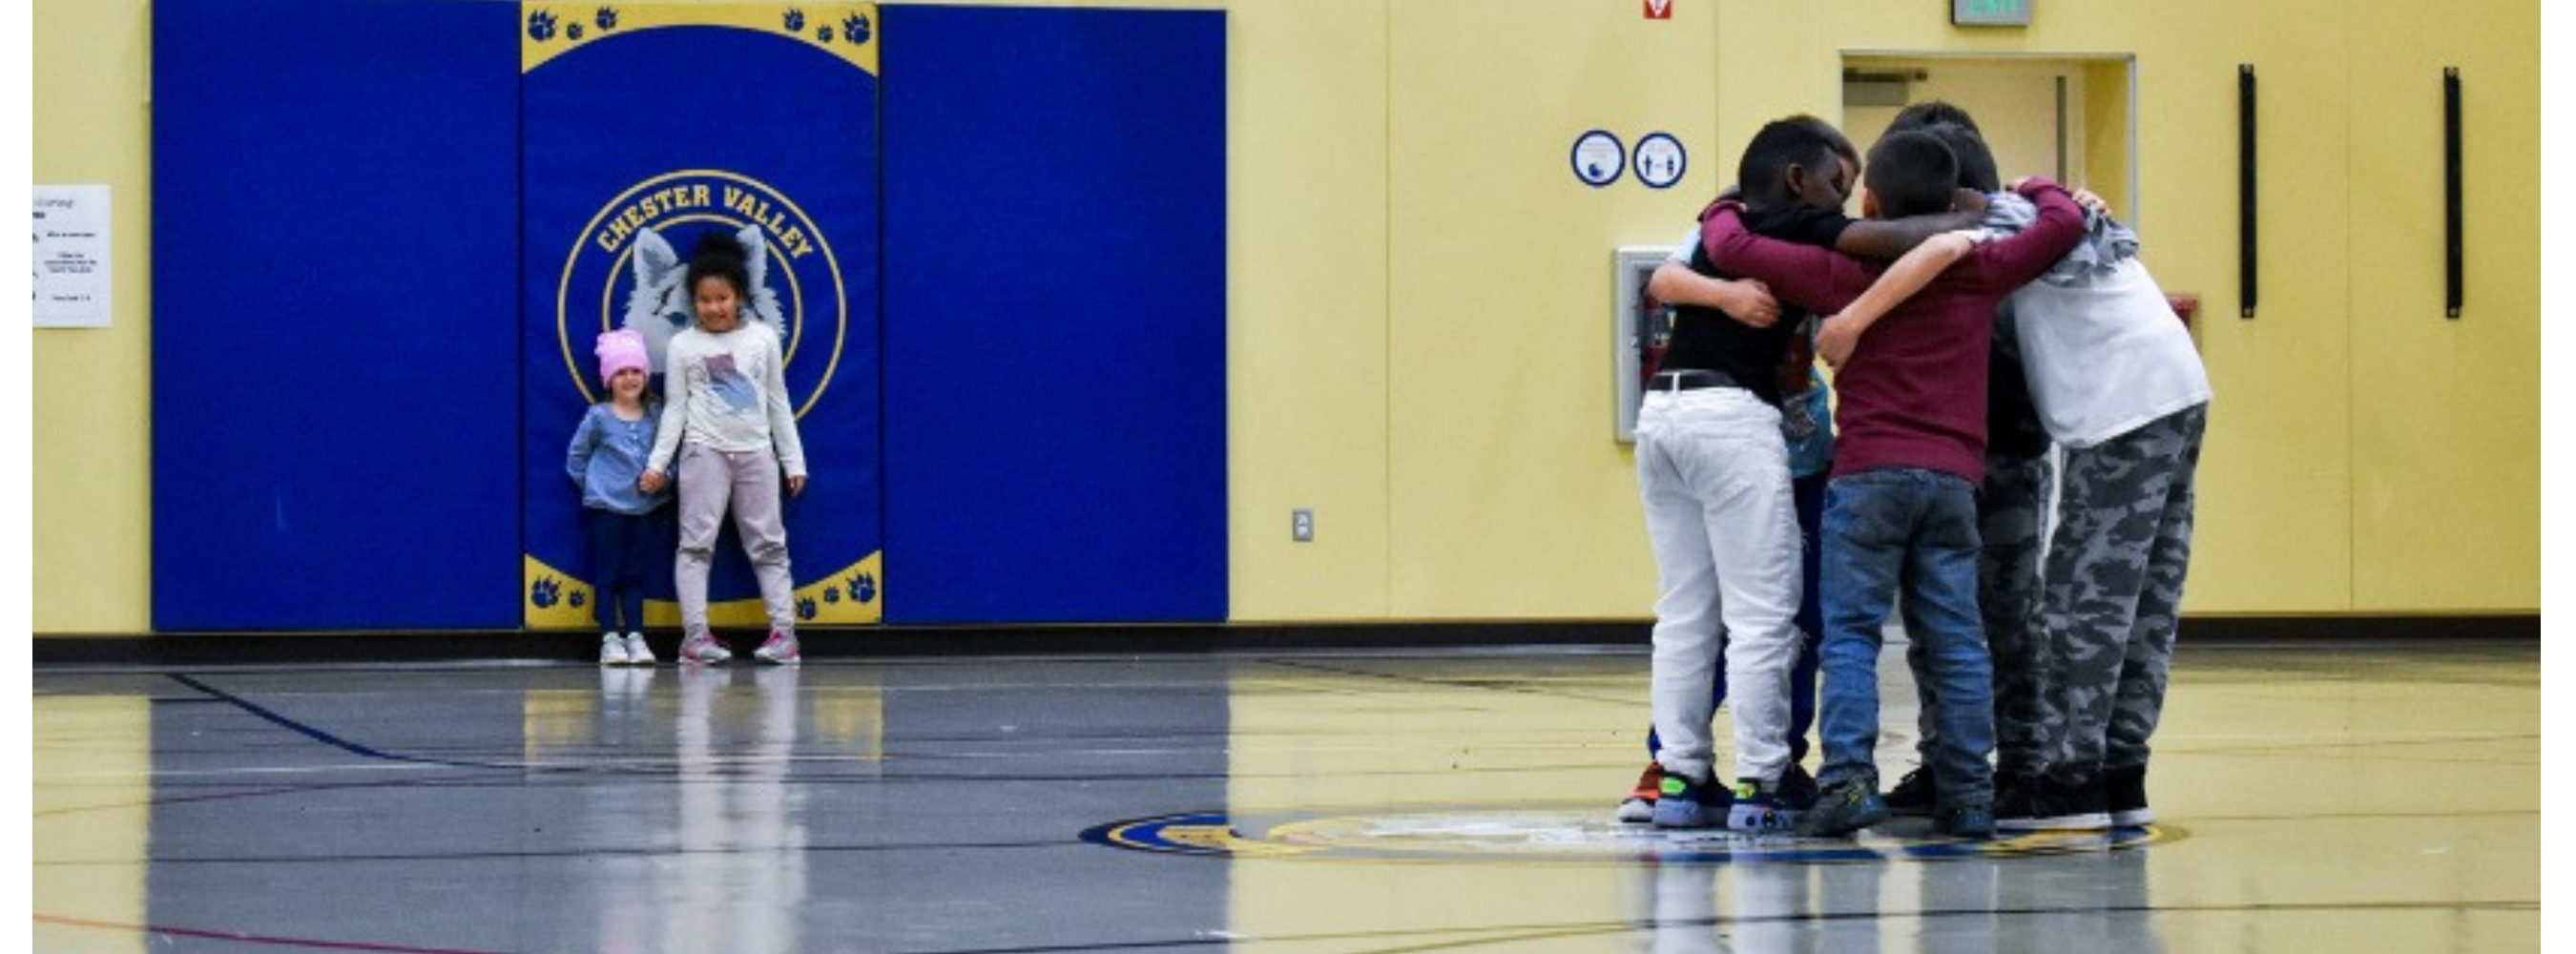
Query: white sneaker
point(612, 650)
point(638, 654)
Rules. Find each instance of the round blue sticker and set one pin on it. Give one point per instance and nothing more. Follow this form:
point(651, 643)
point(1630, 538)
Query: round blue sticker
point(1661, 160)
point(1598, 158)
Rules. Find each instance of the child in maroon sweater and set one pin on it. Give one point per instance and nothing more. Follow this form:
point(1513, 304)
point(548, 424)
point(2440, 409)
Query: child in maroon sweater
point(1902, 504)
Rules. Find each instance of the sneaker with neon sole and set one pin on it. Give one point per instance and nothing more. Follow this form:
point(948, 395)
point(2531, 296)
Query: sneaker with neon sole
point(1762, 810)
point(1848, 806)
point(1687, 802)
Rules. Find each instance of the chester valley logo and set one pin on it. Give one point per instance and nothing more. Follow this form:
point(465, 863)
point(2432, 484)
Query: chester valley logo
point(629, 267)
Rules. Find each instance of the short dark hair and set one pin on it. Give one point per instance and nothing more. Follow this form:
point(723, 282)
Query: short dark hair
point(722, 256)
point(1795, 140)
point(1958, 131)
point(1976, 162)
point(1912, 173)
point(1932, 113)
point(1834, 138)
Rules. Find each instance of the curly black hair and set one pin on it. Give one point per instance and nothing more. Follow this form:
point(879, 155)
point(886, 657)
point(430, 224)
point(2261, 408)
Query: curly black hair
point(722, 256)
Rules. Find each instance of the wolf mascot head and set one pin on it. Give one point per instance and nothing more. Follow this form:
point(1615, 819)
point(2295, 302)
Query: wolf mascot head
point(661, 304)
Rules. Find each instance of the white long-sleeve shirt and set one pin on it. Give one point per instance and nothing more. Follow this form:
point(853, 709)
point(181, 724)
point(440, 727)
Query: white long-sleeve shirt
point(2104, 354)
point(728, 393)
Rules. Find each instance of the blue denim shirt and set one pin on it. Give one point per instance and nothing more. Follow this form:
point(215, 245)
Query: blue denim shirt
point(607, 456)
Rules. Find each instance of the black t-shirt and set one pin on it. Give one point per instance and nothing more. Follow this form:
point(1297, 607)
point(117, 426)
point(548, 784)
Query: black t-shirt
point(1708, 339)
point(2012, 421)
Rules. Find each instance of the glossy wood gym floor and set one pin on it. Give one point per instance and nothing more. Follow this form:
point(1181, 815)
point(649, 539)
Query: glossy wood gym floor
point(2379, 797)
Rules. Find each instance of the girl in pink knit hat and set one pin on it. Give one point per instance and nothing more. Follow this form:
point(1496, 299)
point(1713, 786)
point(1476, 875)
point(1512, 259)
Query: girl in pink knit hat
point(607, 460)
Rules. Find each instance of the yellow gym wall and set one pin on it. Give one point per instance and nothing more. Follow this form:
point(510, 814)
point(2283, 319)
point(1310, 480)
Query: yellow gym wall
point(93, 388)
point(2446, 414)
point(1419, 288)
point(1508, 497)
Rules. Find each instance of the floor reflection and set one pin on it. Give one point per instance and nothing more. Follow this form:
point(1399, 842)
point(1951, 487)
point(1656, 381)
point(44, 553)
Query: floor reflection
point(1341, 804)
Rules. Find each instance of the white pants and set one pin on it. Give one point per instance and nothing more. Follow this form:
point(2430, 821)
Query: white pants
point(1714, 475)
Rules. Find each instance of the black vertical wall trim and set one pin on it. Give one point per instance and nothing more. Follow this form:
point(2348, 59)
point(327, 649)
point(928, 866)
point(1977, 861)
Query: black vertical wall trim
point(2245, 185)
point(2454, 273)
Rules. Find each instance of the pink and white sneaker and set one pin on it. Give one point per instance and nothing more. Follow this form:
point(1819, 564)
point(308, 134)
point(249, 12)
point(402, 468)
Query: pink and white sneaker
point(703, 648)
point(781, 648)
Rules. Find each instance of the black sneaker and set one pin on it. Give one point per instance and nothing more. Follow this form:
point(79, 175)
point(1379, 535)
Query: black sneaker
point(1965, 821)
point(2044, 804)
point(2124, 792)
point(2012, 788)
point(1845, 808)
point(1912, 795)
point(1797, 788)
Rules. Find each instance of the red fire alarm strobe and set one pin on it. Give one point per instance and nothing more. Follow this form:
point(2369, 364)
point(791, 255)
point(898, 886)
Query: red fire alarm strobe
point(2185, 306)
point(1659, 9)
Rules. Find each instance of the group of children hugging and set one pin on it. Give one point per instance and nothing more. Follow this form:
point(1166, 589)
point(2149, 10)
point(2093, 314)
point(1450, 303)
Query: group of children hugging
point(723, 441)
point(1970, 327)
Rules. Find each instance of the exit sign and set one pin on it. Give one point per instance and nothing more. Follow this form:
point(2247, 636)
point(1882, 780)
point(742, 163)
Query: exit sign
point(1990, 12)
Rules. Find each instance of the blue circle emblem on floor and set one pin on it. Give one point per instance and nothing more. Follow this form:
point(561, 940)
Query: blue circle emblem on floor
point(1572, 835)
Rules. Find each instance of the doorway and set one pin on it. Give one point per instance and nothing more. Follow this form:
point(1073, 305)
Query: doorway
point(2068, 118)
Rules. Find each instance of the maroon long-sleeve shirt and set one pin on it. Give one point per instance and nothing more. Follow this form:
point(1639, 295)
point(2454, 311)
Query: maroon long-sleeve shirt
point(1914, 393)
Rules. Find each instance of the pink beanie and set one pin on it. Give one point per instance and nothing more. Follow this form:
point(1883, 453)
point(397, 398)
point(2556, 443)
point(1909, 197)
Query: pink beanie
point(620, 350)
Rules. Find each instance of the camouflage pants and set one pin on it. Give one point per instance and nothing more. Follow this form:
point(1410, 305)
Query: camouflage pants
point(2010, 517)
point(2010, 509)
point(2113, 588)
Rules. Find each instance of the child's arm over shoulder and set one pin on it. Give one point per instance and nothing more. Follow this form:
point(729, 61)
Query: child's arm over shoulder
point(1675, 282)
point(1819, 280)
point(2013, 262)
point(1890, 239)
point(1744, 300)
point(1839, 334)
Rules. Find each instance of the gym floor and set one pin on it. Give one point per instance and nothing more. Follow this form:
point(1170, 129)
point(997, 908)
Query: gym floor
point(2346, 797)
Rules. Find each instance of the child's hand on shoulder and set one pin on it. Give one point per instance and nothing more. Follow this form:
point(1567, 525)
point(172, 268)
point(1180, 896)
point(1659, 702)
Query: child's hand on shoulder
point(1836, 336)
point(1750, 302)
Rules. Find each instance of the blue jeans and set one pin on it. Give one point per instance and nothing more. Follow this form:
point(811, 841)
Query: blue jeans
point(1916, 529)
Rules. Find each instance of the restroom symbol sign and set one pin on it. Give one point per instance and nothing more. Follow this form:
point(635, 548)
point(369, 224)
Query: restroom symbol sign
point(1660, 160)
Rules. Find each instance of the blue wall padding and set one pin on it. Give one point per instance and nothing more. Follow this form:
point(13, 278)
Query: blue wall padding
point(1055, 377)
point(335, 303)
point(615, 113)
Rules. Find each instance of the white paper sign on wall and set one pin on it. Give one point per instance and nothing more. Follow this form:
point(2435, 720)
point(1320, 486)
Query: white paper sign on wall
point(72, 266)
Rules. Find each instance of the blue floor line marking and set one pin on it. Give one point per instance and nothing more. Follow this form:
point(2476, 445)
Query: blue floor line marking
point(318, 735)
